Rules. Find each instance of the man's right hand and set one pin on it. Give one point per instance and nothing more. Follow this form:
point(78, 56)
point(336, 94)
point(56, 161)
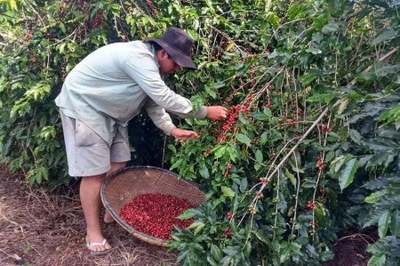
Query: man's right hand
point(217, 112)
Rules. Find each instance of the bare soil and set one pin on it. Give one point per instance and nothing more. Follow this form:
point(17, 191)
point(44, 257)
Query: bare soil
point(39, 227)
point(350, 248)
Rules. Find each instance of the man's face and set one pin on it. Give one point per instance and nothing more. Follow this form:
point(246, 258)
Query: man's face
point(167, 65)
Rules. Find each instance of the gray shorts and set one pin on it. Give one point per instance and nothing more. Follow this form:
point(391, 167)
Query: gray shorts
point(87, 153)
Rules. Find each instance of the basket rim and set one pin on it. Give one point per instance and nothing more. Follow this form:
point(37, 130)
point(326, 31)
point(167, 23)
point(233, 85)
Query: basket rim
point(145, 237)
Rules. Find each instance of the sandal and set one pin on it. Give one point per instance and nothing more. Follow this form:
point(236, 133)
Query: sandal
point(101, 252)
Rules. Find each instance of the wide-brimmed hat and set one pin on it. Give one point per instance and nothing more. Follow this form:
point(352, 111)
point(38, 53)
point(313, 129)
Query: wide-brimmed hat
point(178, 45)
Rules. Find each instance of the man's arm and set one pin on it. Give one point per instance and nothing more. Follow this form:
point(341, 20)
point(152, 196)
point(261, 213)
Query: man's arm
point(163, 121)
point(160, 118)
point(144, 70)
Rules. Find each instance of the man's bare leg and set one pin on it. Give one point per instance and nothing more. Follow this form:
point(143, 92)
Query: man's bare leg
point(90, 200)
point(114, 167)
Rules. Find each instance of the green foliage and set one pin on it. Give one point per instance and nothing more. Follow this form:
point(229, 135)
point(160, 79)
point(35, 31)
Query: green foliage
point(42, 42)
point(312, 143)
point(321, 54)
point(392, 115)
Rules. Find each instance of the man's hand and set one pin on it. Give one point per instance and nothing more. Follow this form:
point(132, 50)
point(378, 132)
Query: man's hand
point(182, 134)
point(217, 112)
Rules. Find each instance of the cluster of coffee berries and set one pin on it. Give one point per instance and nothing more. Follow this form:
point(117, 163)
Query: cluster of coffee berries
point(28, 36)
point(320, 165)
point(228, 167)
point(228, 124)
point(230, 215)
point(227, 231)
point(325, 128)
point(263, 180)
point(206, 152)
point(156, 214)
point(291, 122)
point(98, 19)
point(251, 209)
point(233, 115)
point(259, 195)
point(150, 5)
point(310, 204)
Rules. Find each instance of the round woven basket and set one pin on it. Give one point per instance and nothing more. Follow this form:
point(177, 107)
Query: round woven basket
point(123, 185)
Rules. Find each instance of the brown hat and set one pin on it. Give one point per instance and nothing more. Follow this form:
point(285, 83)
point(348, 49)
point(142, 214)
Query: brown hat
point(178, 45)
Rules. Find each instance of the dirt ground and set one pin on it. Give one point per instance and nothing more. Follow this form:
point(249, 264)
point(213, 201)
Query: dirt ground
point(47, 228)
point(350, 249)
point(42, 228)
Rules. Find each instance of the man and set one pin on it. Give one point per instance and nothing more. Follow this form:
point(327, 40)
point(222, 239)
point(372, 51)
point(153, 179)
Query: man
point(102, 93)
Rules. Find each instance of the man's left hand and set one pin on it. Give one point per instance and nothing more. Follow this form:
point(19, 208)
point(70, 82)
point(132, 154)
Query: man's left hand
point(182, 134)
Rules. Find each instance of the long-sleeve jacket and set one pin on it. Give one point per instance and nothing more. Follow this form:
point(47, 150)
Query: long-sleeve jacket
point(112, 84)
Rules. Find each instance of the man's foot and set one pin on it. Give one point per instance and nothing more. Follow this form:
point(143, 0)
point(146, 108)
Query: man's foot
point(108, 218)
point(98, 248)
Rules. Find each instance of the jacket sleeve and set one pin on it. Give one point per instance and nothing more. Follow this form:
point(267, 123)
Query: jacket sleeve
point(159, 117)
point(143, 68)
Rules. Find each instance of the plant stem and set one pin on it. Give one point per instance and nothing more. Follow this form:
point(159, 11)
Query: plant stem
point(295, 146)
point(384, 57)
point(296, 200)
